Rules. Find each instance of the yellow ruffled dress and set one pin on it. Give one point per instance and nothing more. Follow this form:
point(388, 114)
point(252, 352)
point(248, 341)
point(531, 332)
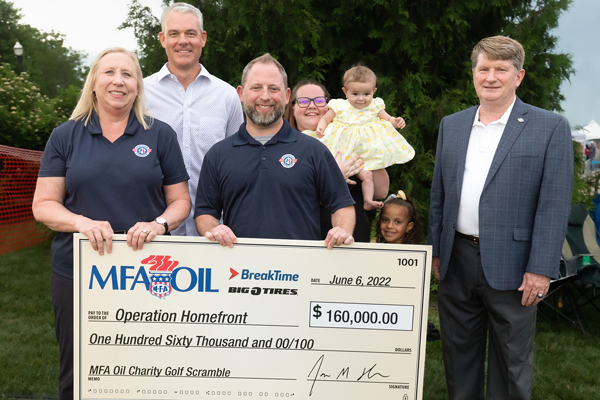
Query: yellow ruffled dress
point(311, 133)
point(362, 132)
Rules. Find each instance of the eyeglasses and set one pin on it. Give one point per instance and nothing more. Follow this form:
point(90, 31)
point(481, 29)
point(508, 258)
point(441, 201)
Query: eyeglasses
point(304, 102)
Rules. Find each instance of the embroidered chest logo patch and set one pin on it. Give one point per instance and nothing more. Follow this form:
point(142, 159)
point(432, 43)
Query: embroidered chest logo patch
point(141, 150)
point(288, 160)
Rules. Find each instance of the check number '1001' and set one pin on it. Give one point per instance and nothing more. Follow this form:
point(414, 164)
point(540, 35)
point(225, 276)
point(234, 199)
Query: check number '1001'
point(407, 262)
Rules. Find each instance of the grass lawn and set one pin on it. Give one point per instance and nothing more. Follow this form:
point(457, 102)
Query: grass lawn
point(567, 363)
point(28, 351)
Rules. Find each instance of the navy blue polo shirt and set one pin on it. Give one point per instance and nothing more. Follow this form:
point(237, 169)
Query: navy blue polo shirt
point(120, 182)
point(272, 190)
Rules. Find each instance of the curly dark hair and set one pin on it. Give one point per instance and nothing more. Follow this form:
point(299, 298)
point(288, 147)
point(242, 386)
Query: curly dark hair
point(415, 235)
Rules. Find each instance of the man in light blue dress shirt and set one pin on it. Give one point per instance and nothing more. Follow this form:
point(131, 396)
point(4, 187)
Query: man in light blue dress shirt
point(201, 108)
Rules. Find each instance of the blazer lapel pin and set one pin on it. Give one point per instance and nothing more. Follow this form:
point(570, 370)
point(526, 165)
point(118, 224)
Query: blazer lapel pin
point(520, 119)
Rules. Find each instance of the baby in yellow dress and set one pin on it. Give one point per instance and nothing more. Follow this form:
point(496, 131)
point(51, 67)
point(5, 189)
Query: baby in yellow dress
point(360, 126)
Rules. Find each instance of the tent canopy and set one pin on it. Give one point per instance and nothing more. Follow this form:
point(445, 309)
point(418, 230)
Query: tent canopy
point(589, 132)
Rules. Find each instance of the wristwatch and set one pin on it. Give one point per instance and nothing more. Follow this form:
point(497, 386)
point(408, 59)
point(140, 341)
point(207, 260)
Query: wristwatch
point(163, 222)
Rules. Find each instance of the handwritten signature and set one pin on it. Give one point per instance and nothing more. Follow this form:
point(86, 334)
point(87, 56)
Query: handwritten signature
point(344, 373)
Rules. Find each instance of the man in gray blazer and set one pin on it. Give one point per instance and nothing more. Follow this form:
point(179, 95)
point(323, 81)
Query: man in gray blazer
point(500, 203)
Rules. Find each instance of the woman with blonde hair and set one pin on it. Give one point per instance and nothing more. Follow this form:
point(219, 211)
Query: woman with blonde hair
point(109, 169)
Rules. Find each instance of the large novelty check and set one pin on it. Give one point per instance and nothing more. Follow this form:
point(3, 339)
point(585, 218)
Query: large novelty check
point(185, 318)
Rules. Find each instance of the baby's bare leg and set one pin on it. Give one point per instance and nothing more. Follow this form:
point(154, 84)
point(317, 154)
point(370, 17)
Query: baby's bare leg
point(368, 189)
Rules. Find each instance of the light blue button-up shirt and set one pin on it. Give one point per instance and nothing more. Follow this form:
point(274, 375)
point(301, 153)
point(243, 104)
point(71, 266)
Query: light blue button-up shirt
point(207, 112)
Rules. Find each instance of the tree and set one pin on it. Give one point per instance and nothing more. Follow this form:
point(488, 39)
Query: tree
point(146, 28)
point(49, 64)
point(26, 116)
point(419, 49)
point(9, 17)
point(34, 103)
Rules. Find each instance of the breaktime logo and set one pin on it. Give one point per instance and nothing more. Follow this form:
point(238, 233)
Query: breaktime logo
point(263, 276)
point(160, 280)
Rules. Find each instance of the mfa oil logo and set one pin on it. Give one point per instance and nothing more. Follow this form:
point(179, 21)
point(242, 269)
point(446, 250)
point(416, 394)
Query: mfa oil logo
point(161, 268)
point(162, 278)
point(270, 275)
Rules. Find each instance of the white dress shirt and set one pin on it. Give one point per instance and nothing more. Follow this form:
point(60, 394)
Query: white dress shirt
point(207, 112)
point(483, 143)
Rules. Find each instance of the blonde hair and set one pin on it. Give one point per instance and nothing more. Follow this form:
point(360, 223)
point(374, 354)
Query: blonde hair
point(359, 73)
point(499, 48)
point(88, 101)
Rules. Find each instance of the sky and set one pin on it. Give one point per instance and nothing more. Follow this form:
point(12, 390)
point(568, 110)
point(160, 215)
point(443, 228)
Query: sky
point(97, 30)
point(89, 26)
point(578, 32)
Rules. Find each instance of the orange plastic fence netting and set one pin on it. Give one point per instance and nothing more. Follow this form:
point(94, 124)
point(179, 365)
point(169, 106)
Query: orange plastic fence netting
point(18, 174)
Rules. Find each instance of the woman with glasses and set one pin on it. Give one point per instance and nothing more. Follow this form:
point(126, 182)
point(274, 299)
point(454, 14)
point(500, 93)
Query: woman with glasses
point(308, 103)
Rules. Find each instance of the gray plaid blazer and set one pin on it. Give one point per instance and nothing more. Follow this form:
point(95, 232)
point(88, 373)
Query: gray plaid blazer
point(525, 203)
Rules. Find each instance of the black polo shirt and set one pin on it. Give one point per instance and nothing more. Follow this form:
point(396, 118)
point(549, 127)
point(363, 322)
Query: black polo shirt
point(272, 190)
point(120, 182)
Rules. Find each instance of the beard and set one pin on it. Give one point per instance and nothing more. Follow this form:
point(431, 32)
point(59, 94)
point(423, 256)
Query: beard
point(263, 120)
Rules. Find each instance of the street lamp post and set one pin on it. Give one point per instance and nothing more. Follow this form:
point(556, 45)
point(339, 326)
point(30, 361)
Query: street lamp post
point(18, 48)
